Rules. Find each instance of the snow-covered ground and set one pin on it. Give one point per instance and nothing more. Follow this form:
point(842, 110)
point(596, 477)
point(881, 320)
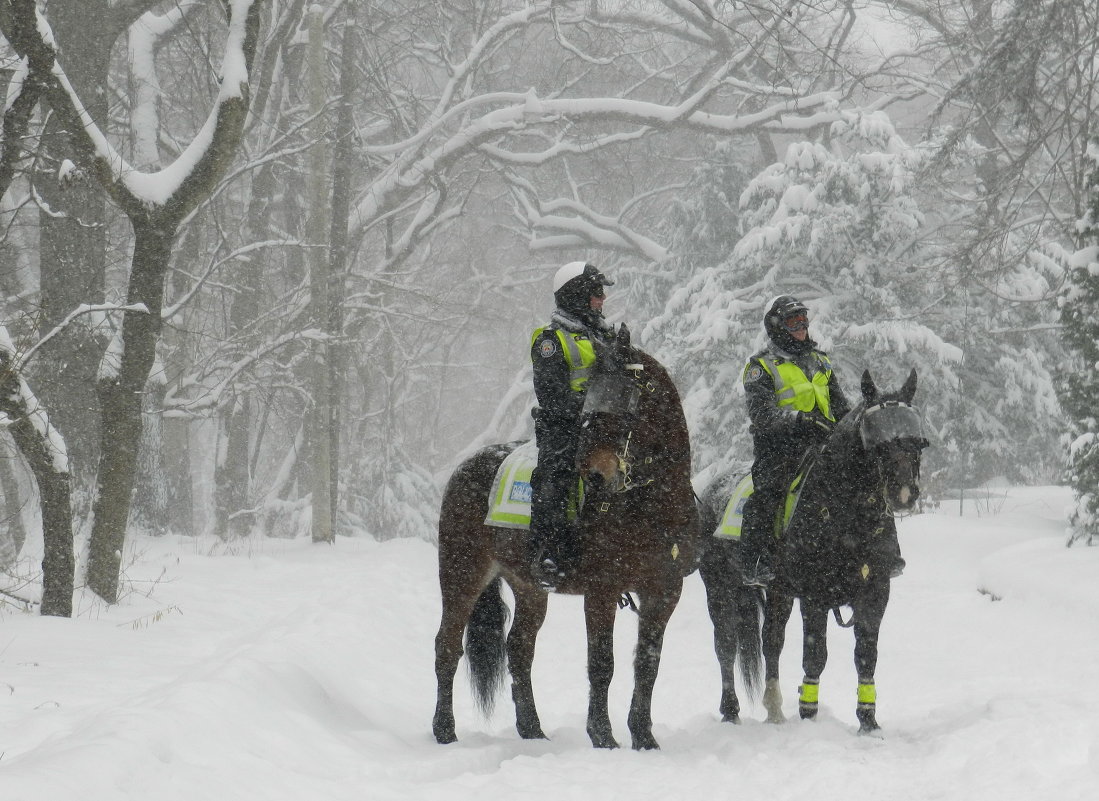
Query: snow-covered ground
point(283, 670)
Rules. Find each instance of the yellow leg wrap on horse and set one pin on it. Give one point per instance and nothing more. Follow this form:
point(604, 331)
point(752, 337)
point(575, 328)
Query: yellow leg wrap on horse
point(810, 691)
point(867, 694)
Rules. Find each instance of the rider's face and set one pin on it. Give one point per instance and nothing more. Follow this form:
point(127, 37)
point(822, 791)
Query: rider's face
point(596, 302)
point(797, 325)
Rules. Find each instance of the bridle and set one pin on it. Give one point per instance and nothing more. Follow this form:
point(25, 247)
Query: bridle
point(892, 424)
point(619, 395)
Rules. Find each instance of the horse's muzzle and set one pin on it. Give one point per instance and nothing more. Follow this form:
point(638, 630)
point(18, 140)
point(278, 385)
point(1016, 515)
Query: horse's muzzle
point(903, 498)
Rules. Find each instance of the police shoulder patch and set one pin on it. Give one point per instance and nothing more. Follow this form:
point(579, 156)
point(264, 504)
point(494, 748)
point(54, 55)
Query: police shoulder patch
point(754, 373)
point(547, 348)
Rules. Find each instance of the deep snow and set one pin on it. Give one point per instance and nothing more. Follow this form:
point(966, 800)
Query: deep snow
point(285, 670)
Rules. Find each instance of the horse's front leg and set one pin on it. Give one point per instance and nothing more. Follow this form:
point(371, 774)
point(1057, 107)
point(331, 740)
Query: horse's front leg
point(654, 613)
point(530, 613)
point(776, 615)
point(869, 611)
point(599, 612)
point(814, 656)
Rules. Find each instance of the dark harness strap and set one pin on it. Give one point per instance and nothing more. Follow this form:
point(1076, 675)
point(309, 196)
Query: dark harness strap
point(839, 617)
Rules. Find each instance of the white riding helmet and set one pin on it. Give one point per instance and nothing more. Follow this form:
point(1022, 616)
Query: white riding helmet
point(575, 269)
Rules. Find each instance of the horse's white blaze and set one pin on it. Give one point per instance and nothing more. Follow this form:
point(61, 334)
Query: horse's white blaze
point(905, 495)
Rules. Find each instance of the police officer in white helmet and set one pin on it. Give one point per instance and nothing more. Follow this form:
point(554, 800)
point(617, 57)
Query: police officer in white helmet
point(563, 354)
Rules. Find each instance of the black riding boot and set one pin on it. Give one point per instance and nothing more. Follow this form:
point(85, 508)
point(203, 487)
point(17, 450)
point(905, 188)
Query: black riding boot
point(755, 545)
point(550, 532)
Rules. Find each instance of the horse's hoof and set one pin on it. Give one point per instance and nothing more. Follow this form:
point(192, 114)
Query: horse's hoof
point(445, 738)
point(868, 721)
point(533, 734)
point(645, 743)
point(599, 740)
point(733, 718)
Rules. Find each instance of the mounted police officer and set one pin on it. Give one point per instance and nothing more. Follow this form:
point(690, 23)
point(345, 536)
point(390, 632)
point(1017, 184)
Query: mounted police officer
point(563, 354)
point(794, 401)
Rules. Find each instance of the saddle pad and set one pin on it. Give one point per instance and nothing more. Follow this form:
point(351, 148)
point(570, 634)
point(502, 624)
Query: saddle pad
point(732, 521)
point(509, 503)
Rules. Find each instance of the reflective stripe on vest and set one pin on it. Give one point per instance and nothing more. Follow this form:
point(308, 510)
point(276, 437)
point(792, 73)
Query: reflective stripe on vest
point(794, 388)
point(579, 355)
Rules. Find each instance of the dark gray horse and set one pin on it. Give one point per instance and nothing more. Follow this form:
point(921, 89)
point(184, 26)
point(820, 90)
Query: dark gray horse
point(835, 551)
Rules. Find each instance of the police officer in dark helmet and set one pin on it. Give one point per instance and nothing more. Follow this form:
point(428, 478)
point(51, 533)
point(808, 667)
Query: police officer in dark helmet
point(794, 401)
point(563, 354)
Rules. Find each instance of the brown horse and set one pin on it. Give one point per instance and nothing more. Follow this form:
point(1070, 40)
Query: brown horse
point(638, 533)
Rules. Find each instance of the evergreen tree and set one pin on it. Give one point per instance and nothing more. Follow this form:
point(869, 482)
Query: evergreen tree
point(840, 223)
point(830, 223)
point(1080, 381)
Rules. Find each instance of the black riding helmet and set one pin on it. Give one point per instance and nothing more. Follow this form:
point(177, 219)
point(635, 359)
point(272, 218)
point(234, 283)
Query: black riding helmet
point(575, 285)
point(778, 312)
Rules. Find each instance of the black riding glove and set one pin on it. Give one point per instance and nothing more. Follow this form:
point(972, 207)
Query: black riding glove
point(814, 424)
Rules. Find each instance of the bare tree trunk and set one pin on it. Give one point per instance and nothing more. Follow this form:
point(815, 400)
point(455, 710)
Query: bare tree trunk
point(120, 397)
point(321, 425)
point(337, 267)
point(176, 428)
point(72, 237)
point(11, 522)
point(45, 454)
point(233, 488)
point(149, 505)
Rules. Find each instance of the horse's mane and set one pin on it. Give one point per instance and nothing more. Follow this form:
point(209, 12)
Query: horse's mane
point(654, 369)
point(845, 436)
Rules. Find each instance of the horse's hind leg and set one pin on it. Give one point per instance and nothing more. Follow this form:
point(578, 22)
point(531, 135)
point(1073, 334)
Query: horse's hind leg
point(530, 612)
point(599, 612)
point(654, 613)
point(814, 656)
point(719, 577)
point(869, 611)
point(778, 610)
point(464, 571)
point(448, 652)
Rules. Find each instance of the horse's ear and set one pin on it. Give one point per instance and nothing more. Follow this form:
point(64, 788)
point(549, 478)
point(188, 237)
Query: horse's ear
point(908, 391)
point(869, 389)
point(623, 336)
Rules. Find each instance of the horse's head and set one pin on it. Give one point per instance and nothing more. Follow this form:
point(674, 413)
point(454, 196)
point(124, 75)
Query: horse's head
point(891, 433)
point(624, 398)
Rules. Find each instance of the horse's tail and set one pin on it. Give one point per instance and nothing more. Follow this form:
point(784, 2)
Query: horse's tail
point(486, 646)
point(749, 602)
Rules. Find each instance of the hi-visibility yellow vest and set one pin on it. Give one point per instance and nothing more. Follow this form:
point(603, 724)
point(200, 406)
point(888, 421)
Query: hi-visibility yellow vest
point(579, 355)
point(794, 388)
